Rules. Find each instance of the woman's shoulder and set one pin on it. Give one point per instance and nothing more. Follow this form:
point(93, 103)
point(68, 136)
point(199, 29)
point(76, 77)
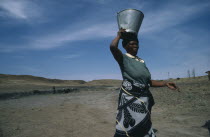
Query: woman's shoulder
point(126, 55)
point(141, 60)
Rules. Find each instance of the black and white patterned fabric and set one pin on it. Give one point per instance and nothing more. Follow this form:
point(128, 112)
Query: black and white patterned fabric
point(134, 106)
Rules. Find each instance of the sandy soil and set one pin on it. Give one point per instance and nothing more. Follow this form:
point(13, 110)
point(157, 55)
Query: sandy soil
point(92, 114)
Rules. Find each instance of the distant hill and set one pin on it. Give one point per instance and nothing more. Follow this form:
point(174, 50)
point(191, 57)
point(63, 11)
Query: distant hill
point(21, 79)
point(29, 79)
point(111, 82)
point(22, 83)
point(18, 83)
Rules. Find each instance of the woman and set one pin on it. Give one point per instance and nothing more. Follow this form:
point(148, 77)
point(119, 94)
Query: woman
point(135, 100)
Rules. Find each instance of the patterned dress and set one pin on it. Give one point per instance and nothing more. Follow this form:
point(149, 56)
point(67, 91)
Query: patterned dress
point(135, 100)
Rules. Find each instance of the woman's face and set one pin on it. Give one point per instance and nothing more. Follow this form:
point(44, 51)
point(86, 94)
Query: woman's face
point(132, 47)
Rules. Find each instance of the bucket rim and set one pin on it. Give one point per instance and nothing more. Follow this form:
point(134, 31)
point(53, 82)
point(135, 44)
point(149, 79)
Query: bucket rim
point(130, 9)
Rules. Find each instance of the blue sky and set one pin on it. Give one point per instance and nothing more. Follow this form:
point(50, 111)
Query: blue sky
point(69, 39)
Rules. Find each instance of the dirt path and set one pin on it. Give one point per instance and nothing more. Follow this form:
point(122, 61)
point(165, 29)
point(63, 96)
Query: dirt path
point(79, 114)
point(92, 114)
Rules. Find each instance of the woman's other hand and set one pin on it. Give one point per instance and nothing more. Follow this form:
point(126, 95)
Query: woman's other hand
point(172, 86)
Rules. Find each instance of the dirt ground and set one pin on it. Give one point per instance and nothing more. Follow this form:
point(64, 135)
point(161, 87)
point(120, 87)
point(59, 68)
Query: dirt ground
point(92, 113)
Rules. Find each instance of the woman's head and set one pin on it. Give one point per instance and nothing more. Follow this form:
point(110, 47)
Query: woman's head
point(131, 45)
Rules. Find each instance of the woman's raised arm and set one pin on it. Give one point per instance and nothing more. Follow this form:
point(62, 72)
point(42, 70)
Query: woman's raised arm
point(114, 46)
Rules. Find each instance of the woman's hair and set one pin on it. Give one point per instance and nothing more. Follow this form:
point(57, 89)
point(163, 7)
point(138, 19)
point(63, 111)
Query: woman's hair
point(128, 39)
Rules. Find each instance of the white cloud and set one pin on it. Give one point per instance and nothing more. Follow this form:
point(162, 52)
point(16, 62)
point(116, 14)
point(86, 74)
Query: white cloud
point(155, 21)
point(9, 49)
point(70, 34)
point(171, 15)
point(15, 8)
point(20, 9)
point(70, 56)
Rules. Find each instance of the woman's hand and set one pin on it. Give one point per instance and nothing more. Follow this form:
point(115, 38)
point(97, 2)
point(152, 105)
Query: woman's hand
point(172, 86)
point(120, 33)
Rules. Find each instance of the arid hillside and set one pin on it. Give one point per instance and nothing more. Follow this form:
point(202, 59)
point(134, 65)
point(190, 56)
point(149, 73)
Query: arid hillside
point(25, 83)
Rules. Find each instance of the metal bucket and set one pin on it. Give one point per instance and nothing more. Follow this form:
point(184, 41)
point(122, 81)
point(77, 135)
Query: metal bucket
point(130, 20)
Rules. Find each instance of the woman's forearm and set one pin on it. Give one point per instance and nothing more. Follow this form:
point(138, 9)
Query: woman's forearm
point(155, 83)
point(115, 42)
point(170, 85)
point(114, 49)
